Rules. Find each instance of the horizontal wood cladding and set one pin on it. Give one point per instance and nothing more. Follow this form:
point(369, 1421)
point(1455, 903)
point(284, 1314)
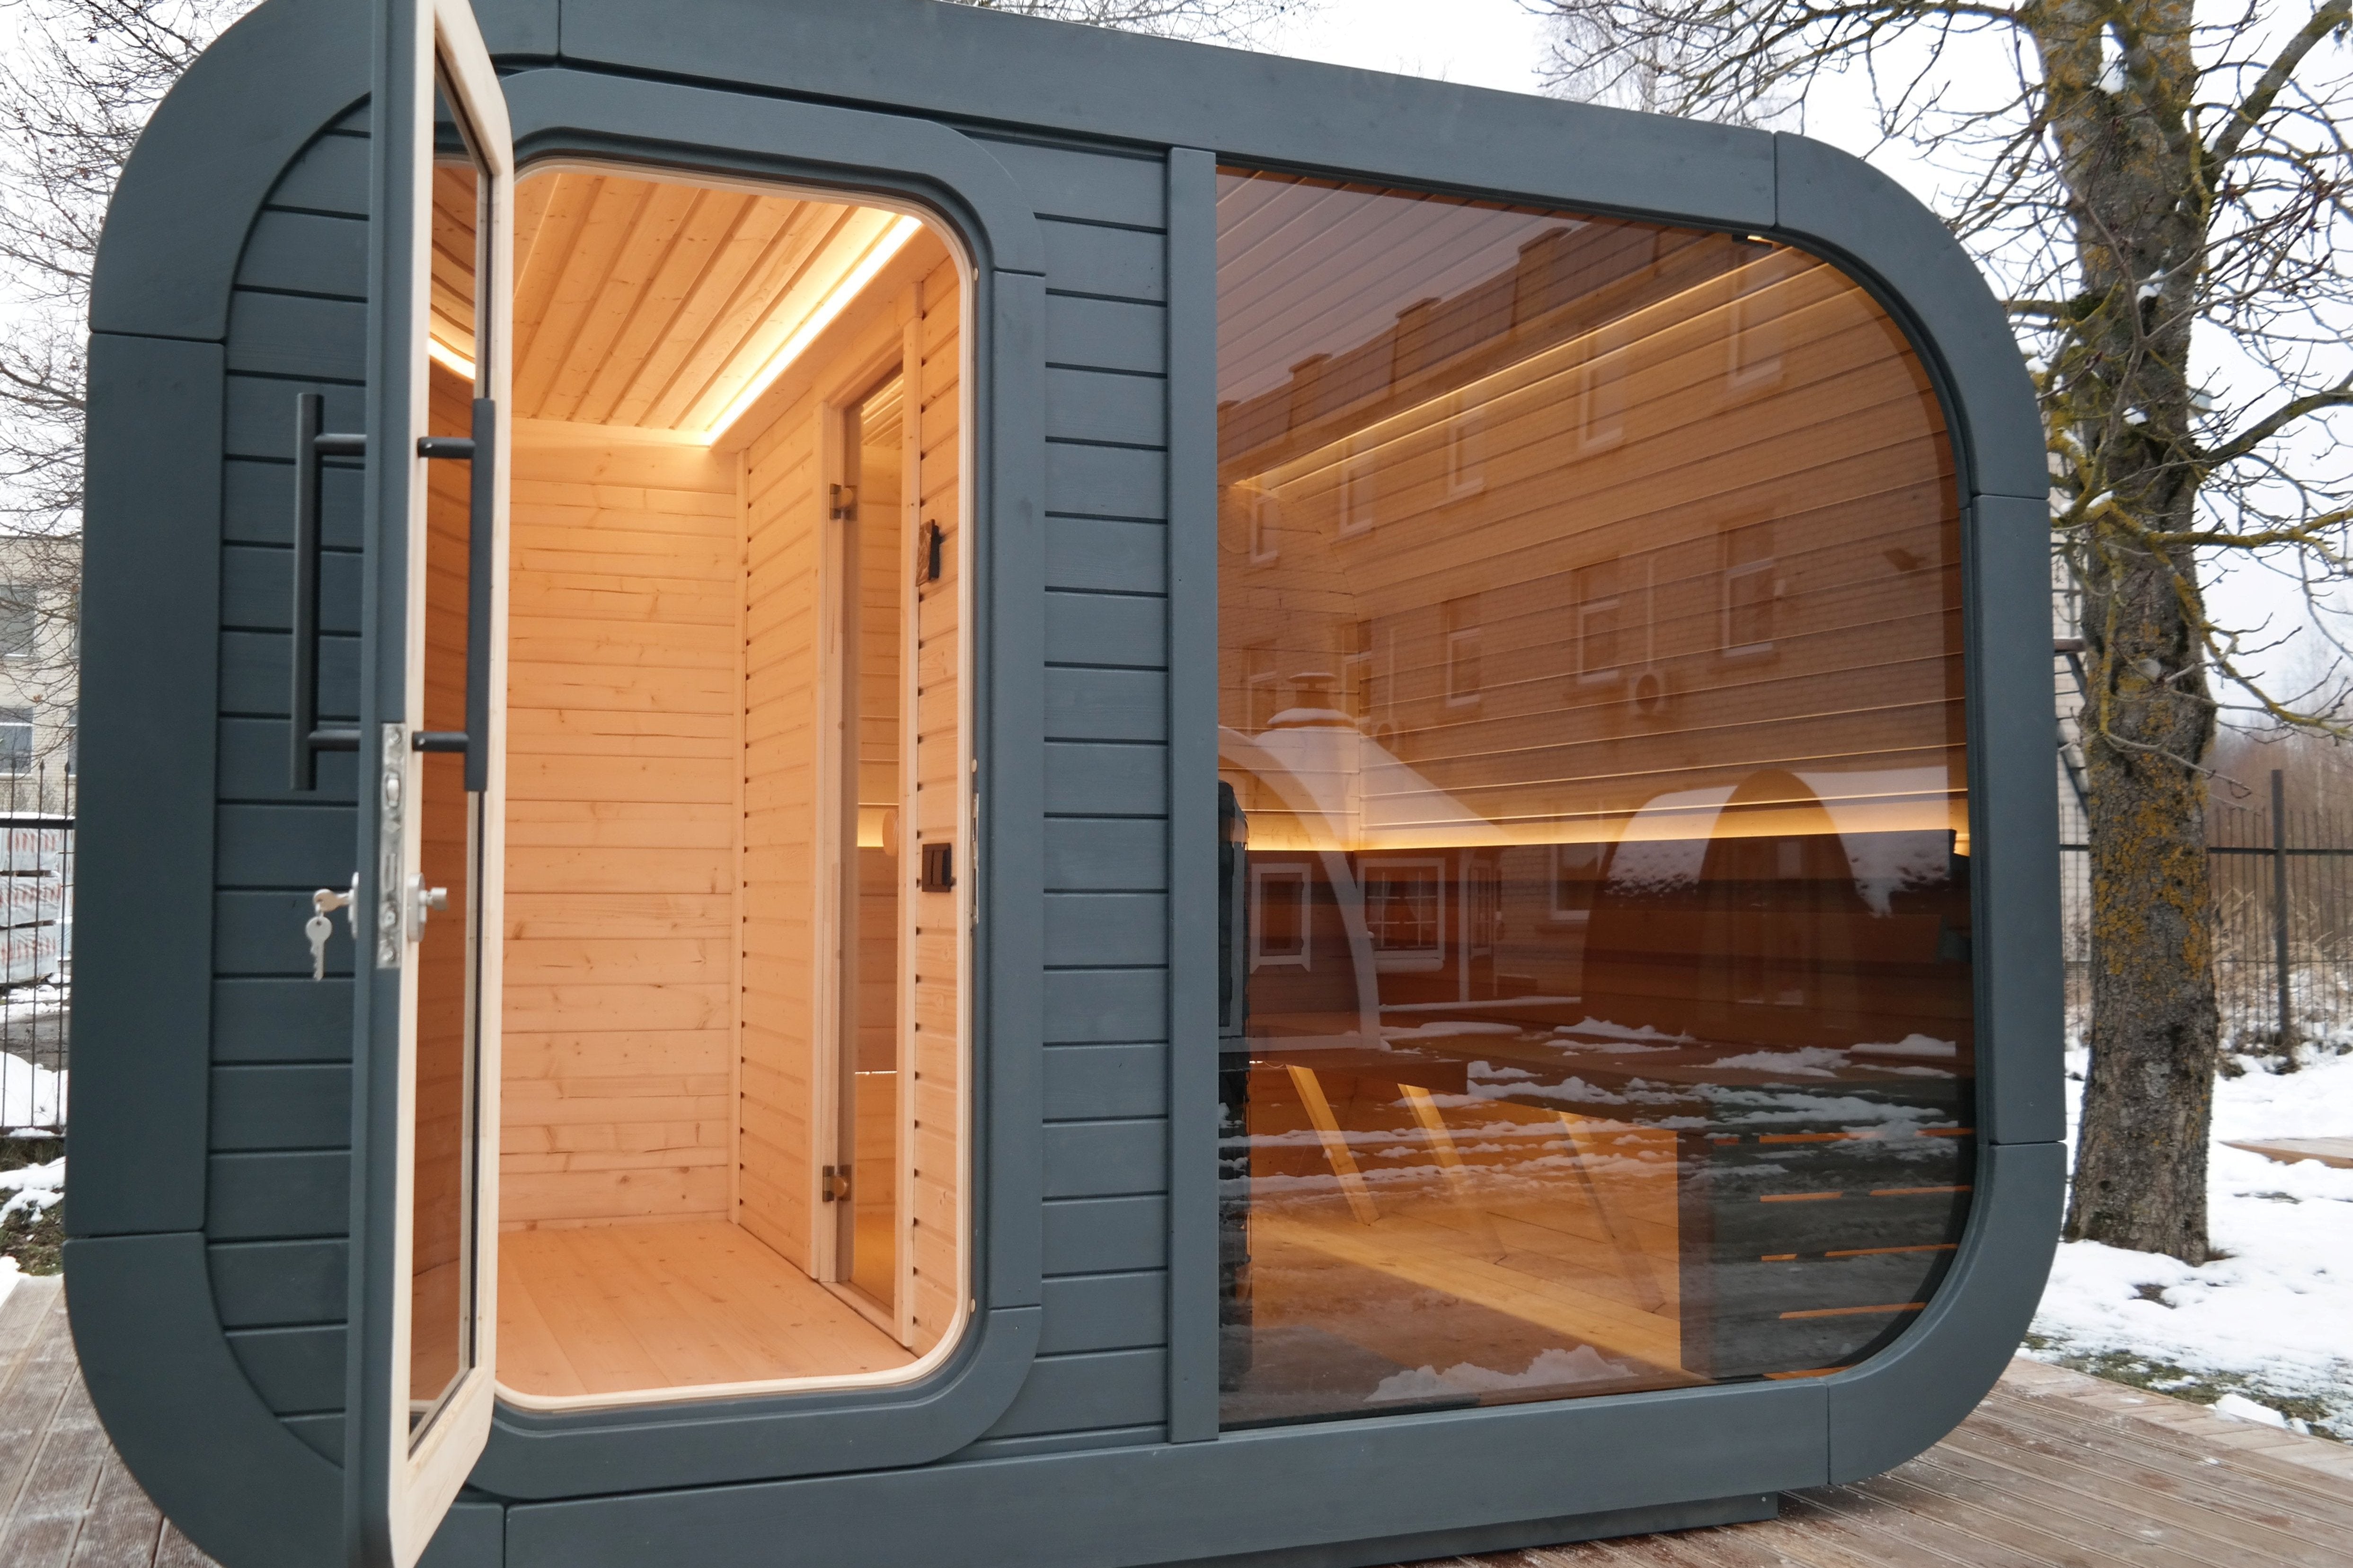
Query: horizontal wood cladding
point(623, 731)
point(278, 1192)
point(659, 624)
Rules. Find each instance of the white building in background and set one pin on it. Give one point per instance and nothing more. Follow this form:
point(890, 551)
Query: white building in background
point(40, 647)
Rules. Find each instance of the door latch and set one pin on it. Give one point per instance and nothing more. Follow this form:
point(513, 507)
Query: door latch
point(323, 904)
point(422, 901)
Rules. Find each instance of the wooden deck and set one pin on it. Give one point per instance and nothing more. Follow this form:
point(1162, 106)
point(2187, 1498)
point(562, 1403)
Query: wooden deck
point(2054, 1470)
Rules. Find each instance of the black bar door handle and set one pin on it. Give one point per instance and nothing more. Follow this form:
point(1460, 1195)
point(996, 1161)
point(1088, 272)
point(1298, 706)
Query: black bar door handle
point(306, 739)
point(480, 449)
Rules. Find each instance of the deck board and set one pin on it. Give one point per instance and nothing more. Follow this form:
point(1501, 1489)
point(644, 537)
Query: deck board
point(2054, 1470)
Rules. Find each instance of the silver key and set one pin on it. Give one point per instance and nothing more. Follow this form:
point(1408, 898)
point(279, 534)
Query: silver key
point(317, 928)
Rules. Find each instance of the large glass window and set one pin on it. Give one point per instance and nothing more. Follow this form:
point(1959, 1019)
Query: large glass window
point(1598, 985)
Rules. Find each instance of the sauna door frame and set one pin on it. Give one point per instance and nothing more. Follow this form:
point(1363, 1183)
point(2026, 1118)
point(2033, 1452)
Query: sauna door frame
point(840, 397)
point(400, 1482)
point(968, 198)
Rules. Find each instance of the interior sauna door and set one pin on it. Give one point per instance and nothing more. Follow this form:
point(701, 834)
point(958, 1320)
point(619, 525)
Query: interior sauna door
point(432, 745)
point(878, 864)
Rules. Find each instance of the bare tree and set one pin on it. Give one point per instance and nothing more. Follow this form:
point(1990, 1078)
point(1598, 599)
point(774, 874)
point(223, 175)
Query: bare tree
point(1213, 21)
point(2160, 195)
point(76, 87)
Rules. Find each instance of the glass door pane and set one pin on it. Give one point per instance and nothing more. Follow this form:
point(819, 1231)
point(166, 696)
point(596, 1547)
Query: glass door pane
point(873, 983)
point(448, 815)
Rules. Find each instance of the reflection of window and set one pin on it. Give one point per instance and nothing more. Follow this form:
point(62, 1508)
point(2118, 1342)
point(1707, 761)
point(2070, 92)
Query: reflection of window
point(1751, 583)
point(1356, 673)
point(1598, 617)
point(1359, 492)
point(1405, 911)
point(1482, 905)
point(16, 739)
point(1756, 328)
point(1601, 401)
point(1262, 686)
point(19, 619)
point(1460, 621)
point(1466, 450)
point(1265, 526)
point(1279, 917)
point(1576, 872)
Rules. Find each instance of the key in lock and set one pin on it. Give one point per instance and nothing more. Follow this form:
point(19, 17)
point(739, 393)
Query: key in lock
point(325, 902)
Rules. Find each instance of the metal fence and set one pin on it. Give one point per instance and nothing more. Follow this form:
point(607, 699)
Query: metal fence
point(36, 813)
point(2282, 892)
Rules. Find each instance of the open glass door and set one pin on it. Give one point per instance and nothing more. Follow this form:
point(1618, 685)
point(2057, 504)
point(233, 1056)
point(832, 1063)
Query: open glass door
point(425, 1266)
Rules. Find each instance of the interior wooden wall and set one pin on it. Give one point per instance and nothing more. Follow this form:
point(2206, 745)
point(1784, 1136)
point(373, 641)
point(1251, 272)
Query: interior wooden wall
point(934, 1133)
point(625, 727)
point(785, 1060)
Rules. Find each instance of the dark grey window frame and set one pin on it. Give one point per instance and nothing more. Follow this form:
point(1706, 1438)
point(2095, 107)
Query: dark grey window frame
point(752, 87)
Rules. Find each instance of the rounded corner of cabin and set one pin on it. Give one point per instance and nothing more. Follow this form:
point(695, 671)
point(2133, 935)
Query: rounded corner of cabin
point(1904, 1401)
point(1875, 229)
point(181, 1412)
point(177, 223)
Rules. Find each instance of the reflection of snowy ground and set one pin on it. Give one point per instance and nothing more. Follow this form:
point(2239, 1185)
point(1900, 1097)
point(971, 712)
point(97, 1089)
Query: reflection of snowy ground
point(2274, 1321)
point(1551, 1369)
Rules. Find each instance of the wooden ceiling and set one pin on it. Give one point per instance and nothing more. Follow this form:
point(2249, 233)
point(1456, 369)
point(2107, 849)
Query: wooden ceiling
point(640, 303)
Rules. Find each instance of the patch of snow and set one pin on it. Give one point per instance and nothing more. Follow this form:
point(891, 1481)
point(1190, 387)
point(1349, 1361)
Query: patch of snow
point(9, 1275)
point(31, 1095)
point(2239, 1408)
point(2272, 1313)
point(1550, 1369)
point(1641, 1034)
point(34, 1187)
point(1806, 1061)
point(1916, 1045)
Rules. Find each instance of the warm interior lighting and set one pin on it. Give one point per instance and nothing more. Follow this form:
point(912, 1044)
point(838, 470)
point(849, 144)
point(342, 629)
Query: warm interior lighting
point(450, 359)
point(859, 277)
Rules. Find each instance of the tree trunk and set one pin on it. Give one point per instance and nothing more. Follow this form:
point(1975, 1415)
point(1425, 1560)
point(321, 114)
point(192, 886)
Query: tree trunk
point(2120, 79)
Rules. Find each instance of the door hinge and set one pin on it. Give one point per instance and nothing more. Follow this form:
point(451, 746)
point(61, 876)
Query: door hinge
point(836, 1184)
point(843, 504)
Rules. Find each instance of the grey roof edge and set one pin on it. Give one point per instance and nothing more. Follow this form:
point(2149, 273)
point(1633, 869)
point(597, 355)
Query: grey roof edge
point(177, 224)
point(1835, 203)
point(1042, 76)
point(577, 111)
point(180, 1411)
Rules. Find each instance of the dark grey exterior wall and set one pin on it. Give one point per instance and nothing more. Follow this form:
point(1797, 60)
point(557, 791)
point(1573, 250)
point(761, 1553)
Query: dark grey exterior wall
point(211, 1196)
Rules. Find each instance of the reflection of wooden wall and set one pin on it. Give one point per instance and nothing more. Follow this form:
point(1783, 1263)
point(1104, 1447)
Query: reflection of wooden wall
point(621, 825)
point(934, 1105)
point(1631, 463)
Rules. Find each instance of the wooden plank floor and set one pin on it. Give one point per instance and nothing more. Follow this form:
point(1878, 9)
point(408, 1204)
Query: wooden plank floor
point(2054, 1470)
point(602, 1309)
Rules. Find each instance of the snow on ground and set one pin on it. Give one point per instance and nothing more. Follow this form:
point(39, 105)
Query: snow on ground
point(30, 1096)
point(2272, 1321)
point(28, 1187)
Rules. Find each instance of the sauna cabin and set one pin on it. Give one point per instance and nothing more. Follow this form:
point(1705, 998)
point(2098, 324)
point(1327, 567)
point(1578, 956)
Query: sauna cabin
point(1036, 797)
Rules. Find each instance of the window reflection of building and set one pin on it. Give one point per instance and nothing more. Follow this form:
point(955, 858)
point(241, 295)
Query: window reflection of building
point(1751, 585)
point(1404, 910)
point(1595, 909)
point(1280, 917)
point(1462, 633)
point(1596, 589)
